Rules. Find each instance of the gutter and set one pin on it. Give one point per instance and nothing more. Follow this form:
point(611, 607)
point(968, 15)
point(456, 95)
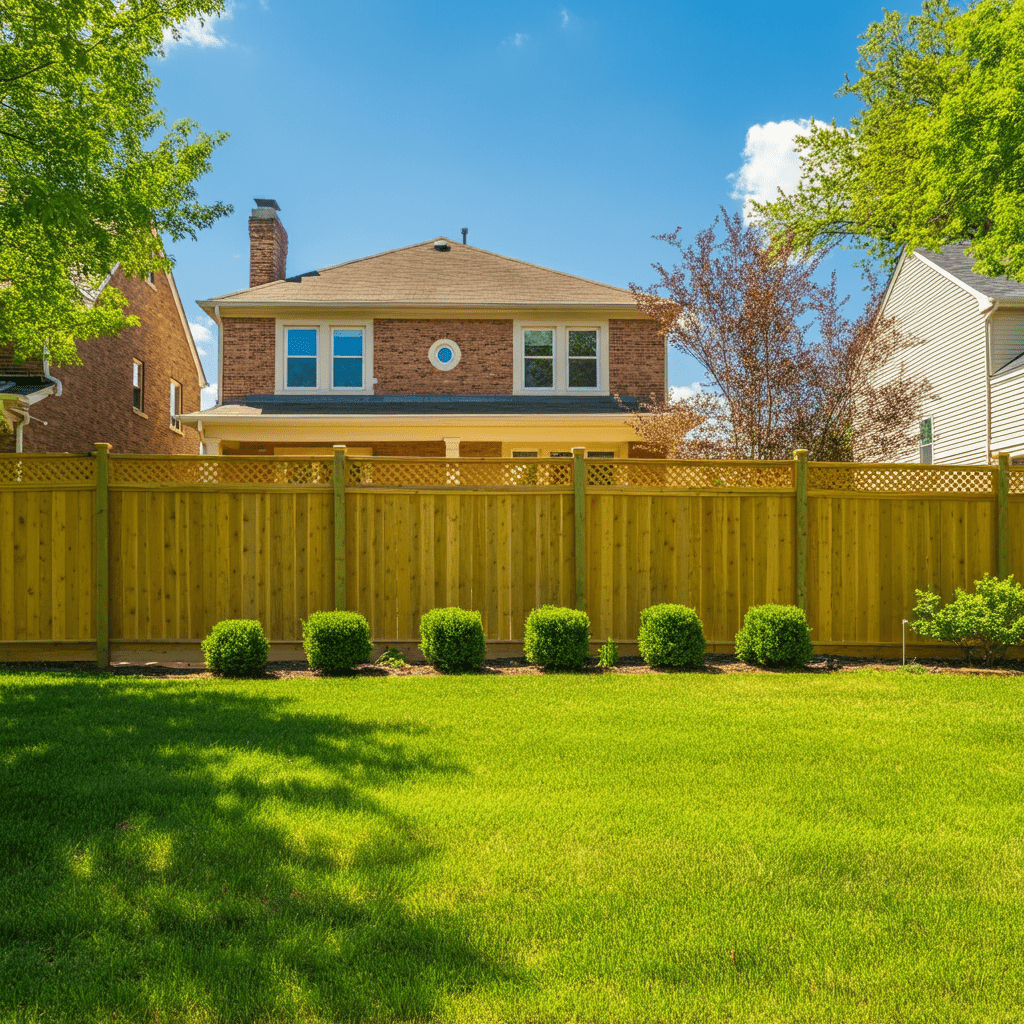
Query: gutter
point(300, 419)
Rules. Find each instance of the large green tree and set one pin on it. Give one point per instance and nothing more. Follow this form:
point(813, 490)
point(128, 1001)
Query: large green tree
point(936, 152)
point(87, 178)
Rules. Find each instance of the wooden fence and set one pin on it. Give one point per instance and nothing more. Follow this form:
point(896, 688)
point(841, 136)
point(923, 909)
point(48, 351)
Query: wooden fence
point(137, 557)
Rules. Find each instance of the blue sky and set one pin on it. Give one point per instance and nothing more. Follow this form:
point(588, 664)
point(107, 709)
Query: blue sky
point(562, 134)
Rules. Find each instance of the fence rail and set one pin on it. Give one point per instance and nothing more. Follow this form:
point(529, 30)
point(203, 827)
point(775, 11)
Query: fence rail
point(105, 549)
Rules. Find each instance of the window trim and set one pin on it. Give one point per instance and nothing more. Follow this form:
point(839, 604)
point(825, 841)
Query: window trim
point(436, 347)
point(324, 355)
point(140, 387)
point(561, 326)
point(175, 422)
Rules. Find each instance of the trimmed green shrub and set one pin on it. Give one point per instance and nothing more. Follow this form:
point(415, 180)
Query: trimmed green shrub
point(774, 635)
point(608, 655)
point(335, 641)
point(452, 639)
point(671, 636)
point(985, 622)
point(392, 658)
point(557, 637)
point(237, 647)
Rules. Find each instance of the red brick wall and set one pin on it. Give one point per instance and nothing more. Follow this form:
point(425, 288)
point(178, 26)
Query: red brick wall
point(401, 366)
point(268, 249)
point(248, 364)
point(636, 359)
point(96, 404)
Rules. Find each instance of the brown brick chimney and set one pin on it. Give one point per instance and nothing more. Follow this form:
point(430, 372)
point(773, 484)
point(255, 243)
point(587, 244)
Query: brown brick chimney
point(268, 244)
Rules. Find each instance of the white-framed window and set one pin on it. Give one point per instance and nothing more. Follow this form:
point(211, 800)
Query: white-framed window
point(560, 358)
point(926, 441)
point(138, 385)
point(175, 423)
point(324, 358)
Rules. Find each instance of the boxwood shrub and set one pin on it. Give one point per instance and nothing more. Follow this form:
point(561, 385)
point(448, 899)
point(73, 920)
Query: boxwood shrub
point(237, 647)
point(671, 636)
point(452, 639)
point(335, 641)
point(774, 635)
point(557, 637)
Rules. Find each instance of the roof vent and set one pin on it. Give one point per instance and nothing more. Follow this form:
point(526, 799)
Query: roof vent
point(441, 245)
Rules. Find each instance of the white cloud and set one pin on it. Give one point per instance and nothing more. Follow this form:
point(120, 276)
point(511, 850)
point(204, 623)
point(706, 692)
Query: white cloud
point(675, 394)
point(517, 40)
point(192, 32)
point(203, 336)
point(769, 162)
point(565, 17)
point(208, 397)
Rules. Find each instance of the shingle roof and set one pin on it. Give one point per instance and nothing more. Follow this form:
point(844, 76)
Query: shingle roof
point(955, 261)
point(420, 275)
point(429, 405)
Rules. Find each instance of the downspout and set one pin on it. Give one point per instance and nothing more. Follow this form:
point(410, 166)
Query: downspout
point(46, 371)
point(19, 431)
point(988, 379)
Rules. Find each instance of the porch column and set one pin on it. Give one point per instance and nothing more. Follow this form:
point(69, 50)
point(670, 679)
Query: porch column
point(451, 447)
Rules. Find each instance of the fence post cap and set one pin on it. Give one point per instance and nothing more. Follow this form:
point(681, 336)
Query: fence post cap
point(578, 451)
point(102, 446)
point(340, 448)
point(800, 454)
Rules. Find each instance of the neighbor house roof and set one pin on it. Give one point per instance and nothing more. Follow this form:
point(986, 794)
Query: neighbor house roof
point(423, 275)
point(954, 261)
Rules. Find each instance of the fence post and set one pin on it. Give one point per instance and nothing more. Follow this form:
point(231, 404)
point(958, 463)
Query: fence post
point(1003, 518)
point(339, 527)
point(800, 455)
point(579, 476)
point(102, 555)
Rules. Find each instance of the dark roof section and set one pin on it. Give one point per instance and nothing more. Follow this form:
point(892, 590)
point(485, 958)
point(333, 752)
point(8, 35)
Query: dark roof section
point(438, 405)
point(28, 385)
point(955, 261)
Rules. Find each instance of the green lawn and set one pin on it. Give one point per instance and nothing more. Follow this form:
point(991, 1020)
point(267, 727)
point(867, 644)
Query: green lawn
point(727, 847)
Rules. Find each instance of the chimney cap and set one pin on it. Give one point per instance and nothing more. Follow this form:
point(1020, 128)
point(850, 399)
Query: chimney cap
point(267, 204)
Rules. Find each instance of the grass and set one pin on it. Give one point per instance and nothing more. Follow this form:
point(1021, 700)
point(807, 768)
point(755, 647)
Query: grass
point(770, 847)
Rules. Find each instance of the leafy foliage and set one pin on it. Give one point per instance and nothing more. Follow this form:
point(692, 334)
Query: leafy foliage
point(392, 658)
point(335, 641)
point(608, 654)
point(452, 639)
point(671, 636)
point(933, 154)
point(557, 637)
point(983, 623)
point(237, 647)
point(774, 635)
point(81, 186)
point(785, 366)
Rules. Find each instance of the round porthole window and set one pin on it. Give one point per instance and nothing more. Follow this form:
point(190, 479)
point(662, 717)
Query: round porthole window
point(444, 354)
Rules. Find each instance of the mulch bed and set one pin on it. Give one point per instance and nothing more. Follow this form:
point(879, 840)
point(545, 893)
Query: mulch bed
point(714, 664)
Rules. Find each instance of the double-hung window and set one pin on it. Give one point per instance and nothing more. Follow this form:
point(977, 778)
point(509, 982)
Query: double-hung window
point(561, 358)
point(347, 358)
point(302, 357)
point(175, 405)
point(138, 385)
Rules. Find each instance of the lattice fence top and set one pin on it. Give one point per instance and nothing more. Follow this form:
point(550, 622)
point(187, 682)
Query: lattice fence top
point(902, 479)
point(47, 469)
point(221, 469)
point(458, 473)
point(690, 475)
point(1017, 480)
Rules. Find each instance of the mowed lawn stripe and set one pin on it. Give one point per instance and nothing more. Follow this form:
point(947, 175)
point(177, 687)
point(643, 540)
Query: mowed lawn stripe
point(749, 847)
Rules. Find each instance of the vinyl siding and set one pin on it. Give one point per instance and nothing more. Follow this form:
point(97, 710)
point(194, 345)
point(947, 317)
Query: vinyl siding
point(1008, 413)
point(1007, 336)
point(947, 322)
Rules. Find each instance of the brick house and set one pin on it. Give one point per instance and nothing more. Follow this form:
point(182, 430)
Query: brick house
point(436, 349)
point(129, 390)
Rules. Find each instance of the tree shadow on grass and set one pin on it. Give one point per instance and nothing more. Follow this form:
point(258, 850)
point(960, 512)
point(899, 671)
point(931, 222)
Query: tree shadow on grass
point(177, 852)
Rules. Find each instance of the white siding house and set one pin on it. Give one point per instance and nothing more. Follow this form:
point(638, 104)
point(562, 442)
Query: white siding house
point(969, 344)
